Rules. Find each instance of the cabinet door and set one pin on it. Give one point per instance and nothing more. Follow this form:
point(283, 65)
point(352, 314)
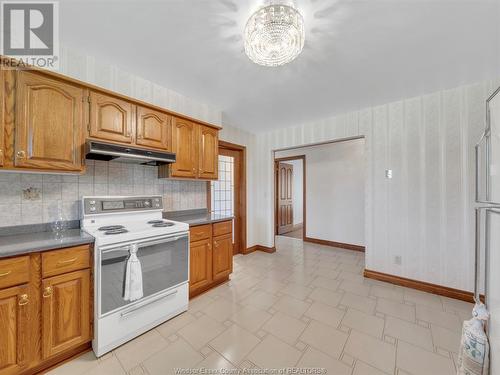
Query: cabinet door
point(185, 146)
point(14, 337)
point(65, 312)
point(3, 88)
point(153, 128)
point(222, 256)
point(49, 123)
point(111, 119)
point(200, 265)
point(208, 151)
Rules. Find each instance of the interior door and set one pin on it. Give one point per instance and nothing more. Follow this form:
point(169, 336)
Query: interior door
point(185, 146)
point(49, 123)
point(209, 145)
point(285, 198)
point(111, 118)
point(14, 328)
point(153, 128)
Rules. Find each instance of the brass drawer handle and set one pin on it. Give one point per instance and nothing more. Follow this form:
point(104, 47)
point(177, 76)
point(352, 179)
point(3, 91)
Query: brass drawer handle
point(5, 273)
point(23, 299)
point(216, 244)
point(67, 261)
point(21, 154)
point(47, 292)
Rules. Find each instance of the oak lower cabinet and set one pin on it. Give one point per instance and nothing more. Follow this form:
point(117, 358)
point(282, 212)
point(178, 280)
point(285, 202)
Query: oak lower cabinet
point(14, 321)
point(44, 319)
point(210, 256)
point(49, 123)
point(65, 312)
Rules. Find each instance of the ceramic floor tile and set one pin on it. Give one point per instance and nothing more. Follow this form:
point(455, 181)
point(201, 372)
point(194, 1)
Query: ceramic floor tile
point(445, 338)
point(396, 309)
point(325, 283)
point(369, 324)
point(440, 318)
point(363, 304)
point(361, 368)
point(201, 331)
point(198, 303)
point(234, 343)
point(272, 353)
point(136, 351)
point(423, 299)
point(270, 285)
point(296, 291)
point(451, 305)
point(221, 309)
point(285, 327)
point(325, 338)
point(325, 313)
point(178, 354)
point(110, 366)
point(260, 299)
point(250, 318)
point(173, 325)
point(215, 361)
point(291, 306)
point(313, 358)
point(418, 361)
point(389, 292)
point(409, 332)
point(374, 352)
point(77, 366)
point(326, 296)
point(355, 288)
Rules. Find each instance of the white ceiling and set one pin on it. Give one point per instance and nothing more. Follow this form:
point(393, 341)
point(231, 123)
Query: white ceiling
point(357, 53)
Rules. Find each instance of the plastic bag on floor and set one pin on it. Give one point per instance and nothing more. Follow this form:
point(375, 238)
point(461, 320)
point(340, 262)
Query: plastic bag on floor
point(473, 356)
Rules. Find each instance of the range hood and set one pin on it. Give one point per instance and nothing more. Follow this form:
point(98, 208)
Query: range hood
point(97, 150)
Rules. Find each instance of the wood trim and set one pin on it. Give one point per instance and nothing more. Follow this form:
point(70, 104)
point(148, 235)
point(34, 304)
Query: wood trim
point(7, 63)
point(59, 360)
point(421, 285)
point(208, 287)
point(335, 244)
point(304, 189)
point(262, 248)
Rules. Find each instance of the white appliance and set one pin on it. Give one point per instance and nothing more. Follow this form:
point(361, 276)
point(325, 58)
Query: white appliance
point(488, 223)
point(120, 226)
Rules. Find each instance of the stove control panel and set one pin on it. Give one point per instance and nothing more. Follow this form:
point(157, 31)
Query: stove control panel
point(102, 205)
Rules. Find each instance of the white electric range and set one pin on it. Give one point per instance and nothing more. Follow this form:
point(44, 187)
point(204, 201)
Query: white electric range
point(122, 226)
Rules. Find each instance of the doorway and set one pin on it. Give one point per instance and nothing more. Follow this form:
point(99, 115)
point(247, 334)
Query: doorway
point(227, 195)
point(290, 204)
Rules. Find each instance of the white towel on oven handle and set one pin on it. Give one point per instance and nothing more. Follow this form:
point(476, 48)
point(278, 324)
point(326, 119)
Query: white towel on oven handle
point(133, 277)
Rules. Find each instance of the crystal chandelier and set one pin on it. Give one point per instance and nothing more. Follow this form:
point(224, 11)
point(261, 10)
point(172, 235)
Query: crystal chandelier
point(274, 35)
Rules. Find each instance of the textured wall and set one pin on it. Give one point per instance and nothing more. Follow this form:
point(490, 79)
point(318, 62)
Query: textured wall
point(425, 213)
point(48, 192)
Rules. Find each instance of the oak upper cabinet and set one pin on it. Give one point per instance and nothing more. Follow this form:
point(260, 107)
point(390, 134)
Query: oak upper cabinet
point(200, 265)
point(49, 123)
point(185, 146)
point(65, 312)
point(152, 129)
point(111, 118)
point(14, 328)
point(208, 152)
point(2, 117)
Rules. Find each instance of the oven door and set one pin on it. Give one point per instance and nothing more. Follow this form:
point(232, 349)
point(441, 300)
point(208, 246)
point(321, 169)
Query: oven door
point(164, 263)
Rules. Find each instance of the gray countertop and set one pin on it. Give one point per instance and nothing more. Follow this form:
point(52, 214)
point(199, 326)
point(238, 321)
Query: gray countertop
point(24, 243)
point(196, 217)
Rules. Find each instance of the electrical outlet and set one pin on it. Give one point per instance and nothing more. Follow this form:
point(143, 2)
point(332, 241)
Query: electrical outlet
point(397, 260)
point(388, 173)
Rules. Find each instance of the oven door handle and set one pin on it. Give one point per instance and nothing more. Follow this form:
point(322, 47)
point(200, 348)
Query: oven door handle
point(147, 303)
point(156, 242)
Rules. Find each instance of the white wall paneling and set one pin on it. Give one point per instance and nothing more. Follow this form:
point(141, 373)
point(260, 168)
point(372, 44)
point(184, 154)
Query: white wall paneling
point(425, 212)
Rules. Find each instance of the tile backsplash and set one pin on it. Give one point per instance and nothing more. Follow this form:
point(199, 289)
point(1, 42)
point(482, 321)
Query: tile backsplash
point(28, 198)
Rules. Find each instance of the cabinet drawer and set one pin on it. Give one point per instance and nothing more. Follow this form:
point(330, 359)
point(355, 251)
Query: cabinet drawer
point(200, 232)
point(57, 262)
point(224, 227)
point(14, 271)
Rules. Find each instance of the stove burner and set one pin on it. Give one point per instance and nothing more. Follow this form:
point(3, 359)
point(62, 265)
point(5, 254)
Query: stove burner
point(116, 231)
point(111, 227)
point(155, 222)
point(160, 225)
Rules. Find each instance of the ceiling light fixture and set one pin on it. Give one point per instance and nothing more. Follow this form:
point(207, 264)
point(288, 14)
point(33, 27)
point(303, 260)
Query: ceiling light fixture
point(274, 35)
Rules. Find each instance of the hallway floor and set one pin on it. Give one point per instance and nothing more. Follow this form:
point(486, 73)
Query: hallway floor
point(306, 305)
point(293, 234)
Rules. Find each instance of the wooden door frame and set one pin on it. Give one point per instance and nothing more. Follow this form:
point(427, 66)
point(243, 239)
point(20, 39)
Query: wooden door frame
point(276, 193)
point(243, 191)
